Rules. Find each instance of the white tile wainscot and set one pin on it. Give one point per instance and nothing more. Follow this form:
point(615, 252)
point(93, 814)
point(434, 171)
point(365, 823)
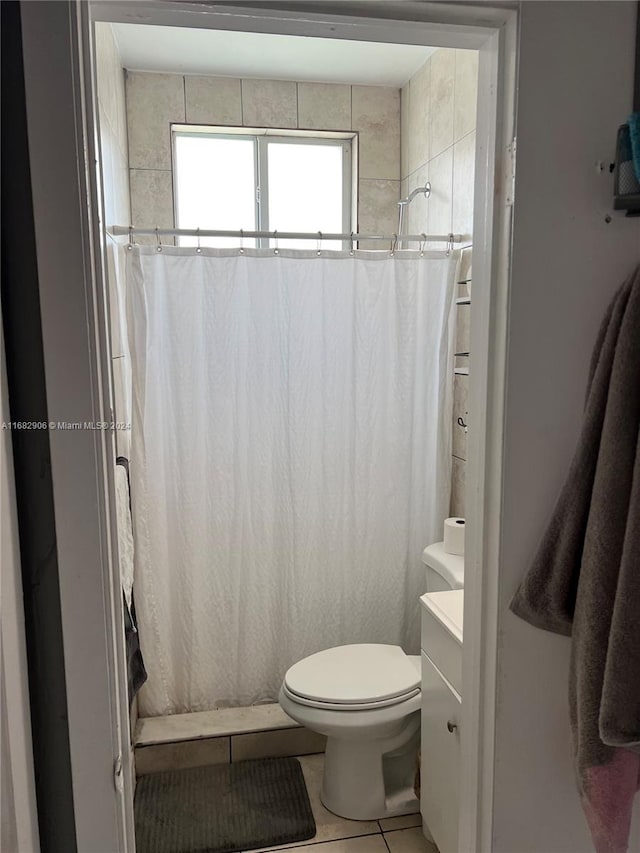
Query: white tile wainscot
point(442, 618)
point(220, 736)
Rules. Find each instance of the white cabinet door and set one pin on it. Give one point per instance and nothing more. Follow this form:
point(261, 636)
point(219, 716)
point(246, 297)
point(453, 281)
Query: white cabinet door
point(440, 761)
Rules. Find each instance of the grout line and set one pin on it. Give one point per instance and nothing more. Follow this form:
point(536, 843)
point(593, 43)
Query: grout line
point(459, 458)
point(241, 103)
point(313, 843)
point(386, 843)
point(147, 169)
point(351, 107)
point(219, 735)
point(429, 162)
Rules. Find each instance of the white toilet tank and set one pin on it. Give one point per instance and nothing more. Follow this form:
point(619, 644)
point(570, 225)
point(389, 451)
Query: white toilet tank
point(444, 571)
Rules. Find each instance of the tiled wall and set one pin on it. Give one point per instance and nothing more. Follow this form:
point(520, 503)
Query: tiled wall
point(112, 116)
point(438, 119)
point(155, 101)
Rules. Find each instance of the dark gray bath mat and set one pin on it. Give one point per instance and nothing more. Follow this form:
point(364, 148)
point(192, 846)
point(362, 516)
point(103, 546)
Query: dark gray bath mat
point(223, 808)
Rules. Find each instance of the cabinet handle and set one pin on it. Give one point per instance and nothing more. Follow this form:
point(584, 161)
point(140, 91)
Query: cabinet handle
point(453, 727)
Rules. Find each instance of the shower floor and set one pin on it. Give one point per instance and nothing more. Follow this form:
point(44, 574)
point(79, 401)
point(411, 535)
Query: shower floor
point(220, 737)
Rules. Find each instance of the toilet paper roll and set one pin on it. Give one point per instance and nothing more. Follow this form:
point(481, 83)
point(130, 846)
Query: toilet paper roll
point(454, 536)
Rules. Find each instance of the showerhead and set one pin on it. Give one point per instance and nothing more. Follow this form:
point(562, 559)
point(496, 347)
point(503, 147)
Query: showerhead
point(425, 190)
point(402, 204)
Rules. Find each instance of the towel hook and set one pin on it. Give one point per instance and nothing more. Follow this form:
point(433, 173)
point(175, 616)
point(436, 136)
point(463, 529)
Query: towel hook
point(158, 243)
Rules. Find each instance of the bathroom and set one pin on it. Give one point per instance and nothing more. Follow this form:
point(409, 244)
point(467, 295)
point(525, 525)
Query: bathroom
point(550, 250)
point(401, 118)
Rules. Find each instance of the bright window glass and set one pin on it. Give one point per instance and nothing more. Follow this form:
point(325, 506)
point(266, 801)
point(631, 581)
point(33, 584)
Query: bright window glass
point(261, 183)
point(305, 190)
point(215, 186)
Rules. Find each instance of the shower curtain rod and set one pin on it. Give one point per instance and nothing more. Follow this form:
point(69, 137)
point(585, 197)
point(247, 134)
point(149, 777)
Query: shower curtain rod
point(131, 231)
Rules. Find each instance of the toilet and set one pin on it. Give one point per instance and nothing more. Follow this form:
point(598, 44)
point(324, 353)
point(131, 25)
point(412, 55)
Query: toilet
point(366, 699)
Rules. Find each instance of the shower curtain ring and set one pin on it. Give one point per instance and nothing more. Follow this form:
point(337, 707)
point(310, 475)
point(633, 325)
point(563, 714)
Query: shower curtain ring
point(351, 250)
point(276, 250)
point(241, 242)
point(394, 245)
point(450, 244)
point(198, 248)
point(318, 250)
point(158, 243)
point(130, 246)
point(422, 244)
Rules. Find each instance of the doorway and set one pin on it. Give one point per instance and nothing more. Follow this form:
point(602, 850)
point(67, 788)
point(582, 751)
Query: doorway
point(490, 230)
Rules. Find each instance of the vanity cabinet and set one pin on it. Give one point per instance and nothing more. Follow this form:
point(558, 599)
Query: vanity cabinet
point(441, 712)
point(440, 758)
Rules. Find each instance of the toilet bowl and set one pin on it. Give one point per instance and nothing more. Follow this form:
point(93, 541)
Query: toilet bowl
point(366, 699)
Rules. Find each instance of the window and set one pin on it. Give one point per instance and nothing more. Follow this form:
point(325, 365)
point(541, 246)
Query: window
point(261, 182)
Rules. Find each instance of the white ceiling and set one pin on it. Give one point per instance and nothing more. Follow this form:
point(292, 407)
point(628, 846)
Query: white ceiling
point(277, 57)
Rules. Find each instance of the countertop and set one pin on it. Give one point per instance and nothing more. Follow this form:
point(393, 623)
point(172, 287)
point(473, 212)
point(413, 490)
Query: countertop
point(448, 608)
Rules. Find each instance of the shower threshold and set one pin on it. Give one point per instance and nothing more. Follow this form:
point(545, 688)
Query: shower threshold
point(220, 736)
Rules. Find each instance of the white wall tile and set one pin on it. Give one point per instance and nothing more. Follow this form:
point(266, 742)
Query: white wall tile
point(377, 209)
point(154, 101)
point(375, 114)
point(464, 155)
point(105, 65)
point(151, 201)
point(419, 117)
point(213, 100)
point(443, 64)
point(404, 131)
point(324, 106)
point(269, 103)
point(108, 142)
point(121, 196)
point(418, 210)
point(440, 205)
point(121, 109)
point(466, 92)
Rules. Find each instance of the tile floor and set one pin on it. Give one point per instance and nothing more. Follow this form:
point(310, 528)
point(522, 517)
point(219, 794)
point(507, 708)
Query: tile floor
point(338, 835)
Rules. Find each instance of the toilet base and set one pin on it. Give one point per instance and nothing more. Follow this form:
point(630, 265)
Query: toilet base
point(362, 783)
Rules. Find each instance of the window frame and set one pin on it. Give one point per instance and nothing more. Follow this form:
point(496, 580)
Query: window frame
point(262, 138)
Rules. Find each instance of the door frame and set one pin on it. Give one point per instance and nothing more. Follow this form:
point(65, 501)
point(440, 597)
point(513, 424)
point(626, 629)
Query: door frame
point(62, 118)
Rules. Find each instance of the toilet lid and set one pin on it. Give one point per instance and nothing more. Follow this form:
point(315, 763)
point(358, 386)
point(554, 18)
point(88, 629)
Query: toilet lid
point(354, 675)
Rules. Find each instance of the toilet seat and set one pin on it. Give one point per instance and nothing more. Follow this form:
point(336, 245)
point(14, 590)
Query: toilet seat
point(354, 678)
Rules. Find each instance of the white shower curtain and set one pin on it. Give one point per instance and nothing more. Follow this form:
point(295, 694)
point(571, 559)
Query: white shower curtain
point(291, 458)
